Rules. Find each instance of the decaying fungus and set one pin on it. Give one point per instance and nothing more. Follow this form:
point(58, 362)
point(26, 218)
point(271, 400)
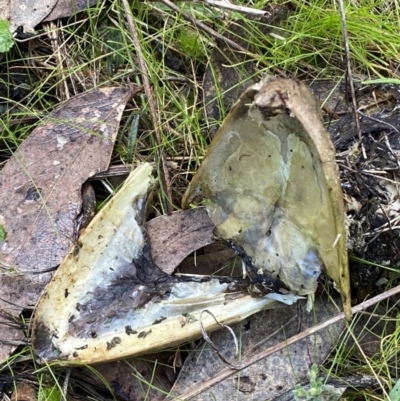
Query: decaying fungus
point(273, 187)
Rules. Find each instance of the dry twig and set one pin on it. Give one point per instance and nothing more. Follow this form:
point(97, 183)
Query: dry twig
point(151, 100)
point(225, 4)
point(62, 86)
point(349, 77)
point(225, 373)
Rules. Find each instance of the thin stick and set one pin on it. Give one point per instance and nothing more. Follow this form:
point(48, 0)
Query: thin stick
point(378, 120)
point(151, 100)
point(241, 9)
point(62, 86)
point(225, 373)
point(349, 76)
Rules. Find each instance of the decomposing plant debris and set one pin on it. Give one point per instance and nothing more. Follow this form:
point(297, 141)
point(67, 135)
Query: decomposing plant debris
point(273, 184)
point(191, 59)
point(108, 300)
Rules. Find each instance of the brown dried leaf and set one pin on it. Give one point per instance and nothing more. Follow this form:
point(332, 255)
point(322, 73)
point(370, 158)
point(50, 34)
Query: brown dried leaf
point(40, 186)
point(25, 13)
point(40, 192)
point(273, 375)
point(66, 8)
point(24, 392)
point(176, 236)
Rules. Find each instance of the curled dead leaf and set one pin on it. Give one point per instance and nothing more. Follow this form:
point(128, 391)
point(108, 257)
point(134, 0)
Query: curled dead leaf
point(175, 236)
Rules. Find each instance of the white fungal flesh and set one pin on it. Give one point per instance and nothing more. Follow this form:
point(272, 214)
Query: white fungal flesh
point(106, 248)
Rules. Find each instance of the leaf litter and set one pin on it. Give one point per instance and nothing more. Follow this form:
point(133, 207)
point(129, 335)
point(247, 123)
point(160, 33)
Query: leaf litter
point(100, 301)
point(66, 8)
point(26, 14)
point(203, 229)
point(40, 194)
point(173, 237)
point(245, 386)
